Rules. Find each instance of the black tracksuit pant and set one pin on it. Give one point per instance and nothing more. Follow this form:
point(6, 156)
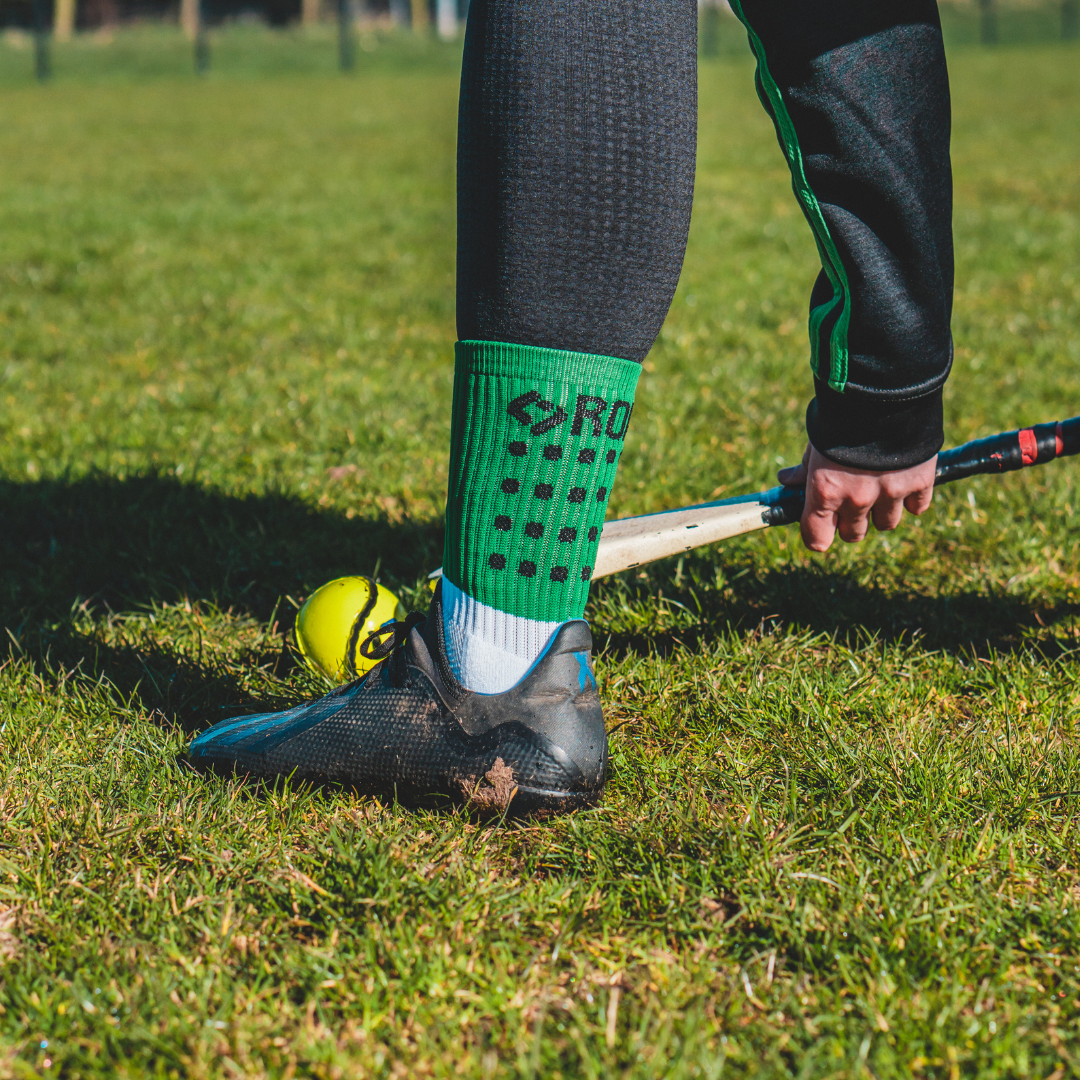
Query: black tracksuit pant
point(576, 147)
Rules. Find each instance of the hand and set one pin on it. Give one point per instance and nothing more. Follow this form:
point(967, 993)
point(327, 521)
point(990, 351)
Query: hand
point(845, 500)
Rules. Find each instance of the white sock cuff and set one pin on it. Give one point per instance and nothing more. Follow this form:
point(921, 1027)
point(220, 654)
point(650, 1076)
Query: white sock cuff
point(489, 650)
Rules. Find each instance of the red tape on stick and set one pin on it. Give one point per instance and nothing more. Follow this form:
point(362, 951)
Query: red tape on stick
point(1029, 446)
point(1058, 440)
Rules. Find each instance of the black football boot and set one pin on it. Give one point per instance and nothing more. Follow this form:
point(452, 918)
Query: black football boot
point(410, 730)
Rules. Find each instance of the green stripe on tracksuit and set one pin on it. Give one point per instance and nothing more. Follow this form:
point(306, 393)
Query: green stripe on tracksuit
point(837, 372)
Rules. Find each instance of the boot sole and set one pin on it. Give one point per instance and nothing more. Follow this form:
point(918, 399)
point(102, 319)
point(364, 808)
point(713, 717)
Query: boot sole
point(525, 801)
point(536, 802)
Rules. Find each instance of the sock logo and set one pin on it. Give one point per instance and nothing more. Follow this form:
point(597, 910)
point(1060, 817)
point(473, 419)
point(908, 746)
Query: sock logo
point(516, 409)
point(626, 409)
point(588, 408)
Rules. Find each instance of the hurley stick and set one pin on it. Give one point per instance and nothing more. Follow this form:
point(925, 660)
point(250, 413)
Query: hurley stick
point(634, 541)
point(629, 542)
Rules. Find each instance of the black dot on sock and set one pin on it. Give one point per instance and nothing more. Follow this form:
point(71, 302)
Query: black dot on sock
point(527, 568)
point(610, 456)
point(566, 534)
point(601, 494)
point(503, 523)
point(559, 573)
point(594, 532)
point(586, 457)
point(576, 495)
point(497, 562)
point(511, 487)
point(534, 529)
point(543, 491)
point(552, 452)
point(517, 449)
point(586, 573)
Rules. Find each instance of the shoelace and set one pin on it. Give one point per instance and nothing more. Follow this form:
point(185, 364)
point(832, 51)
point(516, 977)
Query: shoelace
point(389, 637)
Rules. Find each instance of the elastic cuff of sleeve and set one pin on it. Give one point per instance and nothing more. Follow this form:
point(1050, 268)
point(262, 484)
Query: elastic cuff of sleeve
point(866, 433)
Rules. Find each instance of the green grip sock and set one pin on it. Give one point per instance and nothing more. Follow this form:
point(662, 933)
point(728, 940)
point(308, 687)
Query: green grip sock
point(535, 441)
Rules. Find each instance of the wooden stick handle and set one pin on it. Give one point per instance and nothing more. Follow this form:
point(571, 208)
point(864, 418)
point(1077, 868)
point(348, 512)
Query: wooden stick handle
point(634, 541)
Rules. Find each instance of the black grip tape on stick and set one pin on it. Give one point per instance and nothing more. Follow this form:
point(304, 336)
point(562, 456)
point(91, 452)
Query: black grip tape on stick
point(1010, 450)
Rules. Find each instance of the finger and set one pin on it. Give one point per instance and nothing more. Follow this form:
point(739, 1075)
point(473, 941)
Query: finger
point(818, 524)
point(887, 513)
point(818, 528)
point(918, 501)
point(853, 523)
point(819, 518)
point(792, 476)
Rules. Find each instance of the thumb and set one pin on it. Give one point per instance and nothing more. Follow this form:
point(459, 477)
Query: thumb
point(795, 475)
point(792, 476)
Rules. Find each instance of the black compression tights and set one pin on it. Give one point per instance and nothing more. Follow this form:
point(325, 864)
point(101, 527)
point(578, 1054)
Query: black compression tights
point(576, 146)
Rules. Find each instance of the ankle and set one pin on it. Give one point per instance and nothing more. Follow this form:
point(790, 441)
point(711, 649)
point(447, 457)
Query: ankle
point(489, 650)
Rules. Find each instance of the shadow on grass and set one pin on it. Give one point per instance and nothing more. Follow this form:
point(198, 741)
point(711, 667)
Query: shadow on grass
point(172, 689)
point(122, 545)
point(836, 603)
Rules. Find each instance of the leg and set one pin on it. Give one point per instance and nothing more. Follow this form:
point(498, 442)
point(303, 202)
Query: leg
point(576, 145)
point(576, 164)
point(575, 178)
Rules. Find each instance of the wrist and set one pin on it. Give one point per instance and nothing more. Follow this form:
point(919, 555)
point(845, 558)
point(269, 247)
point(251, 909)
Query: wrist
point(864, 432)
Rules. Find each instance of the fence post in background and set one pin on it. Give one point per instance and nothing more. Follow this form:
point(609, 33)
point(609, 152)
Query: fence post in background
point(202, 40)
point(193, 21)
point(346, 44)
point(64, 20)
point(988, 25)
point(42, 60)
point(309, 12)
point(1070, 19)
point(446, 19)
point(419, 16)
point(189, 18)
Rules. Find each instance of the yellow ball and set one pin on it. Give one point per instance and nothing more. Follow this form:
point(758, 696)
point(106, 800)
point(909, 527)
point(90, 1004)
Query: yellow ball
point(335, 620)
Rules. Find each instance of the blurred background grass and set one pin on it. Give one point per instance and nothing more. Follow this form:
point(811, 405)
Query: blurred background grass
point(840, 834)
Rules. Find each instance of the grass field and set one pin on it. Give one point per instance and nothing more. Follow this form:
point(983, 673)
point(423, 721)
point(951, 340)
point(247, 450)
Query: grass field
point(840, 837)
